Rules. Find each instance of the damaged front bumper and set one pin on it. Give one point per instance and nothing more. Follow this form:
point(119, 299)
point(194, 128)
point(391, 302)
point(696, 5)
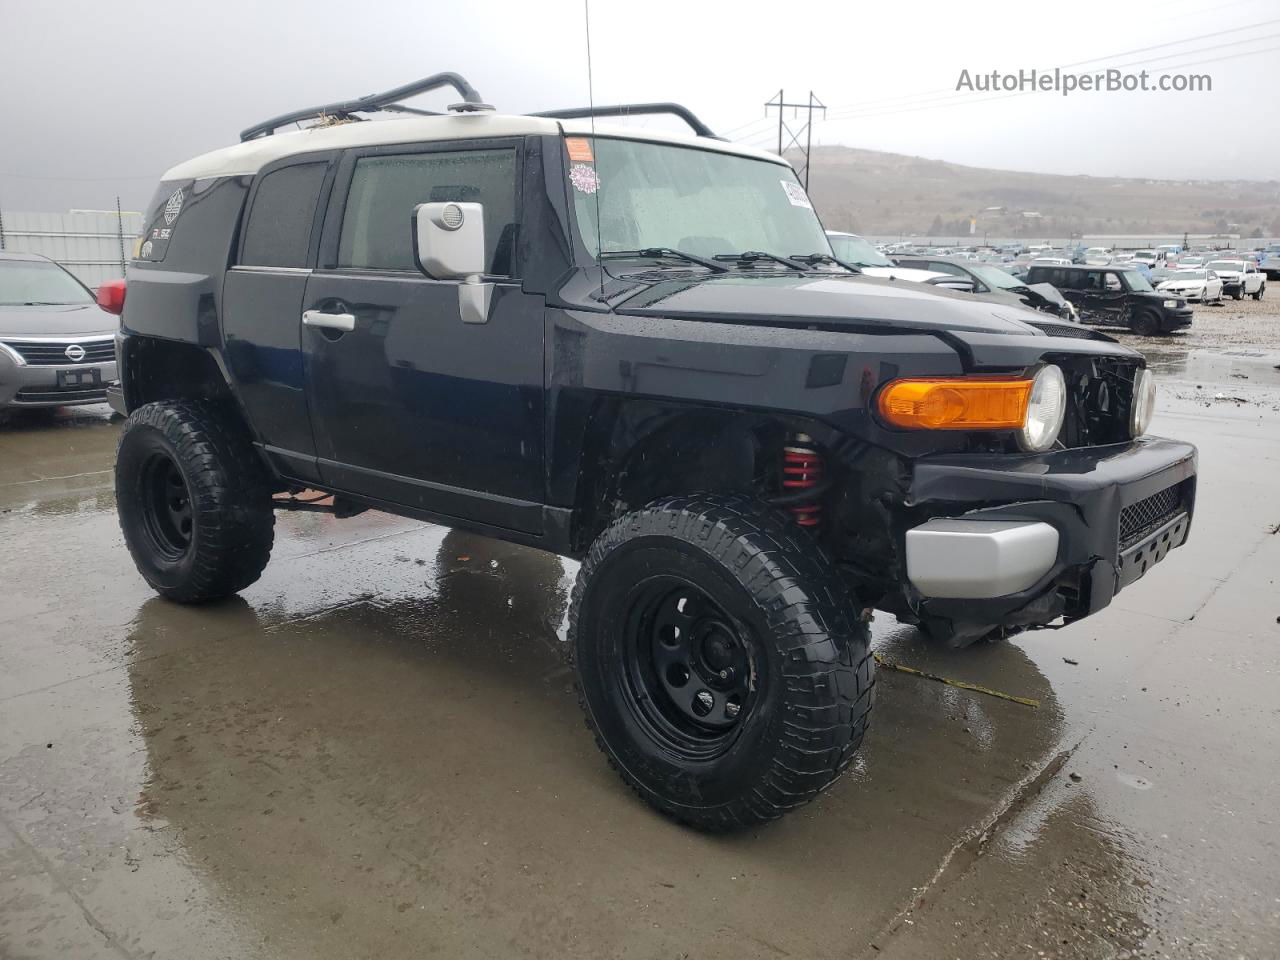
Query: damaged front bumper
point(1020, 541)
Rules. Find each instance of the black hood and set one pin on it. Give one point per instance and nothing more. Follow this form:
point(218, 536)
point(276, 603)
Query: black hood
point(55, 320)
point(840, 299)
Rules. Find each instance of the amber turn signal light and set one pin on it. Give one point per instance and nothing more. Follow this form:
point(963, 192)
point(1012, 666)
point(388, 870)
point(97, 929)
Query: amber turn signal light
point(956, 403)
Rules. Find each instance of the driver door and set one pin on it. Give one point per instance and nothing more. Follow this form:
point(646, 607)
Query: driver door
point(409, 404)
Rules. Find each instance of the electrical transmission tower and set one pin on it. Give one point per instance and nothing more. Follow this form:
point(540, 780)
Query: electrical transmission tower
point(804, 130)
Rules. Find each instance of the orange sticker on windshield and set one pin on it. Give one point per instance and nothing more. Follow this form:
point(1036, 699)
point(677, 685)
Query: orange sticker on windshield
point(579, 150)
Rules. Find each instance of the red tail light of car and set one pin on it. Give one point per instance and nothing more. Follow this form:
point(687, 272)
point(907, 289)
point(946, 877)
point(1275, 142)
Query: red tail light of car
point(111, 297)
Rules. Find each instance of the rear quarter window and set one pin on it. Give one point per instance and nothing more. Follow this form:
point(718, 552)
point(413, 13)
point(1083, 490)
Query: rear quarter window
point(277, 232)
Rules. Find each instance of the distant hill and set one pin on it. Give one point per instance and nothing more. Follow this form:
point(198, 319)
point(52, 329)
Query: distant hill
point(865, 191)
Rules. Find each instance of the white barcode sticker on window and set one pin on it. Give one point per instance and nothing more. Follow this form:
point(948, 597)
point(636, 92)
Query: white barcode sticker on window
point(795, 193)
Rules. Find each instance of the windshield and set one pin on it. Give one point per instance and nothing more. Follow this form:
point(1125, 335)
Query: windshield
point(1136, 281)
point(1228, 265)
point(1144, 253)
point(857, 252)
point(995, 277)
point(38, 282)
point(1191, 275)
point(698, 201)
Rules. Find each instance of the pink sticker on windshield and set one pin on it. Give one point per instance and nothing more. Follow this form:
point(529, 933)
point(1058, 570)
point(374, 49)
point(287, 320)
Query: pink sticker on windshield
point(584, 178)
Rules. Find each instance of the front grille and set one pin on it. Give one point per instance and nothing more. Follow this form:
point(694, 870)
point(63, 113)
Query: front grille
point(1099, 394)
point(60, 394)
point(53, 353)
point(1141, 518)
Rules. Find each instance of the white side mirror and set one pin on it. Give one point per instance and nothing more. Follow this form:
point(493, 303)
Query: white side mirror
point(448, 244)
point(448, 239)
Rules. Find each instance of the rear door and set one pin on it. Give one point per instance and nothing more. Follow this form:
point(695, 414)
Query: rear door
point(411, 405)
point(262, 307)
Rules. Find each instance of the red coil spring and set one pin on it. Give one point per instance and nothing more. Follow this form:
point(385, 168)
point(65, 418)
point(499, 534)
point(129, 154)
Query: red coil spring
point(802, 470)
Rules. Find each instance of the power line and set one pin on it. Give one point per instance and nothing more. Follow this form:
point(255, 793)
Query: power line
point(932, 103)
point(1174, 43)
point(910, 100)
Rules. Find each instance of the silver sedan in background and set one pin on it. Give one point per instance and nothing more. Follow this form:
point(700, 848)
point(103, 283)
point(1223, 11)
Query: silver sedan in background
point(57, 346)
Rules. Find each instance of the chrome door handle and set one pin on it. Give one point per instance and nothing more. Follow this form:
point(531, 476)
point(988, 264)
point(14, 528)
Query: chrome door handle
point(334, 321)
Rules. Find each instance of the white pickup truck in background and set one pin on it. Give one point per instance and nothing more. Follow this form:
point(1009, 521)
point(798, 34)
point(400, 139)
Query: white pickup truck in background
point(1240, 278)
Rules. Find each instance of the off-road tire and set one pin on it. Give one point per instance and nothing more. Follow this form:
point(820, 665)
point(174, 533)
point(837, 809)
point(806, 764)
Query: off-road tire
point(228, 500)
point(1146, 323)
point(812, 673)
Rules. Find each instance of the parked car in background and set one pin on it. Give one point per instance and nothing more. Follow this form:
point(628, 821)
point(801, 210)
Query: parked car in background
point(1098, 256)
point(1148, 257)
point(1117, 296)
point(1240, 278)
point(996, 285)
point(57, 345)
point(857, 252)
point(1270, 266)
point(1191, 261)
point(1202, 285)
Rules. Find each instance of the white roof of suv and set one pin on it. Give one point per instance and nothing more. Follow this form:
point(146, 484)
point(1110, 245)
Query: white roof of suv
point(251, 156)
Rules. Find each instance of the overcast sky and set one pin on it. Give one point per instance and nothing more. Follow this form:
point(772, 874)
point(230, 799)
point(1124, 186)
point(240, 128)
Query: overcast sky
point(100, 97)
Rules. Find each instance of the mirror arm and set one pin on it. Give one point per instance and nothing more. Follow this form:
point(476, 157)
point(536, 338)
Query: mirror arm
point(474, 298)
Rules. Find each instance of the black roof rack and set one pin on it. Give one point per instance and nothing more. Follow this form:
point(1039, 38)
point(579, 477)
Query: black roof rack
point(374, 102)
point(633, 110)
point(389, 101)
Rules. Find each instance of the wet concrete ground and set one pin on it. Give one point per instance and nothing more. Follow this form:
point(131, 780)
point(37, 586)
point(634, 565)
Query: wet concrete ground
point(376, 752)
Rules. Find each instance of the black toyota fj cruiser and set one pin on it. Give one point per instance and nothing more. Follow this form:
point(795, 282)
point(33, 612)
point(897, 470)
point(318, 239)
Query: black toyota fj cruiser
point(636, 350)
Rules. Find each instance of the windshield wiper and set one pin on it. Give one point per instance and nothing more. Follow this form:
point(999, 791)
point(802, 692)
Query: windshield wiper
point(812, 259)
point(660, 253)
point(752, 257)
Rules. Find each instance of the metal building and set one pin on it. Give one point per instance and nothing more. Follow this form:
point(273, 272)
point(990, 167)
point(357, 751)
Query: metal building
point(92, 244)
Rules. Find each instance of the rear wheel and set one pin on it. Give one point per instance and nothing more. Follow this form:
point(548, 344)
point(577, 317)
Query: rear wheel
point(193, 500)
point(1257, 294)
point(721, 663)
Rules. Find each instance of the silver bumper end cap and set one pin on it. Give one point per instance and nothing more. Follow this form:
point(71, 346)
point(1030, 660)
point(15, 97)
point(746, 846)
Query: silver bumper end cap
point(979, 559)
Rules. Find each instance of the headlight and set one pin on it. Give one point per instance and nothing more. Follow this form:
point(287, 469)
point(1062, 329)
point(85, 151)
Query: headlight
point(1170, 304)
point(1045, 410)
point(1143, 406)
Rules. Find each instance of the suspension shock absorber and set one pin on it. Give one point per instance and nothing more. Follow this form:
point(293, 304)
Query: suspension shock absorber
point(802, 470)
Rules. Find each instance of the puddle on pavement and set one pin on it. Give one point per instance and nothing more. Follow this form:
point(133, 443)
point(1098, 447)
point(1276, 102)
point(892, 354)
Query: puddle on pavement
point(411, 762)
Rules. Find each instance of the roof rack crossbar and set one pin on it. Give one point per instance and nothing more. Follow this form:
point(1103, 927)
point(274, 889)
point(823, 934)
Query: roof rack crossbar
point(374, 102)
point(633, 110)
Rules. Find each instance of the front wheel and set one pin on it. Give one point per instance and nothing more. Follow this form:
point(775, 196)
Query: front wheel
point(721, 662)
point(193, 500)
point(1238, 294)
point(1146, 323)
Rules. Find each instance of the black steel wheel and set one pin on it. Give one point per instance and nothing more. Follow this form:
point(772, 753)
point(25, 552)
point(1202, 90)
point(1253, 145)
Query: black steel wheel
point(720, 660)
point(193, 500)
point(166, 507)
point(690, 668)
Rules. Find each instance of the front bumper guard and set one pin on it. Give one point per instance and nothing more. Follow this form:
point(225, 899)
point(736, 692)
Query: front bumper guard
point(1081, 493)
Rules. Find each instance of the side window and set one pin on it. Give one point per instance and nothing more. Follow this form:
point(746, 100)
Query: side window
point(942, 266)
point(377, 223)
point(278, 231)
